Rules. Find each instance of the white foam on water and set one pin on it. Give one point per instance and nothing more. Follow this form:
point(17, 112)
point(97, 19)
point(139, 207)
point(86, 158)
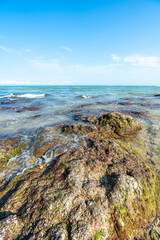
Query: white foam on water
point(28, 95)
point(54, 152)
point(7, 96)
point(31, 95)
point(88, 96)
point(19, 164)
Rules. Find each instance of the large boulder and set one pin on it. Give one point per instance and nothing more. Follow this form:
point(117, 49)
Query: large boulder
point(108, 124)
point(120, 124)
point(100, 189)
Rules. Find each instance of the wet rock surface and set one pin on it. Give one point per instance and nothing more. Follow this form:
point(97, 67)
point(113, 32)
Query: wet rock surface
point(112, 123)
point(102, 189)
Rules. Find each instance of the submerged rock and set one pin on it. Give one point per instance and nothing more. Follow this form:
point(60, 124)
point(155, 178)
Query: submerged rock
point(126, 103)
point(101, 190)
point(30, 108)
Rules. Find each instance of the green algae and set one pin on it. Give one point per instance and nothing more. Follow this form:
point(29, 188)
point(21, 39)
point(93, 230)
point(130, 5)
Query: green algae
point(62, 165)
point(125, 217)
point(43, 197)
point(98, 235)
point(154, 235)
point(129, 149)
point(12, 152)
point(50, 175)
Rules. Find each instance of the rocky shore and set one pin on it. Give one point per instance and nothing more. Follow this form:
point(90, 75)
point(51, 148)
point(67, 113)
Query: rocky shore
point(100, 189)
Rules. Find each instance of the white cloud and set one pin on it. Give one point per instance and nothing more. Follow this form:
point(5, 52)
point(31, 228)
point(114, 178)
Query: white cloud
point(66, 48)
point(143, 61)
point(115, 57)
point(14, 82)
point(54, 65)
point(138, 60)
point(24, 50)
point(51, 65)
point(95, 69)
point(20, 52)
point(8, 50)
point(40, 71)
point(68, 82)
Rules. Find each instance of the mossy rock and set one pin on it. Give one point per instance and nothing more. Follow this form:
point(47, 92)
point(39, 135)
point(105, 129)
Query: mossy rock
point(101, 190)
point(120, 124)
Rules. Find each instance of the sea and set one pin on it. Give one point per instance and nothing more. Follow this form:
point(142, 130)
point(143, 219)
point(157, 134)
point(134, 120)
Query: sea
point(26, 109)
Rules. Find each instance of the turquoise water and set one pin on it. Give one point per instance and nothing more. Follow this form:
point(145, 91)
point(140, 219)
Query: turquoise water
point(25, 111)
point(31, 107)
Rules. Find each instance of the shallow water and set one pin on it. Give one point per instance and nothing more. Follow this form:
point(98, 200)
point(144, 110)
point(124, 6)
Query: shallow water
point(25, 110)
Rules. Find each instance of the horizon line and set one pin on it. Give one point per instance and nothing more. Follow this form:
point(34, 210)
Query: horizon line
point(66, 85)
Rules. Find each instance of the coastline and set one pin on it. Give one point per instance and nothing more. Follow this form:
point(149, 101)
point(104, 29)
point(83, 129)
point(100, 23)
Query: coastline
point(95, 184)
point(92, 175)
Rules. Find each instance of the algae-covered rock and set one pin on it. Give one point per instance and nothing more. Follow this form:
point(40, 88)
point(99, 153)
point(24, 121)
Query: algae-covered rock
point(99, 190)
point(10, 227)
point(154, 235)
point(8, 149)
point(126, 189)
point(120, 124)
point(113, 123)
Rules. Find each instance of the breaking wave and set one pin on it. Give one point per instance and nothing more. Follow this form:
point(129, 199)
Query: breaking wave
point(28, 95)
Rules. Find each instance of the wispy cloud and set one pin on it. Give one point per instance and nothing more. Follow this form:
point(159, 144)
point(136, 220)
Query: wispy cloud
point(54, 66)
point(24, 50)
point(8, 50)
point(138, 60)
point(97, 69)
point(143, 61)
point(66, 48)
point(115, 57)
point(14, 82)
point(50, 65)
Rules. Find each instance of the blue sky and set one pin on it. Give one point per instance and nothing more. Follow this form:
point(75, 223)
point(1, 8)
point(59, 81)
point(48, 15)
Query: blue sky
point(106, 42)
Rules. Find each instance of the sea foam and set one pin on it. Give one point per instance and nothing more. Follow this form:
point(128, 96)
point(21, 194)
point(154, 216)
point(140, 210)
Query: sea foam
point(88, 96)
point(28, 95)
